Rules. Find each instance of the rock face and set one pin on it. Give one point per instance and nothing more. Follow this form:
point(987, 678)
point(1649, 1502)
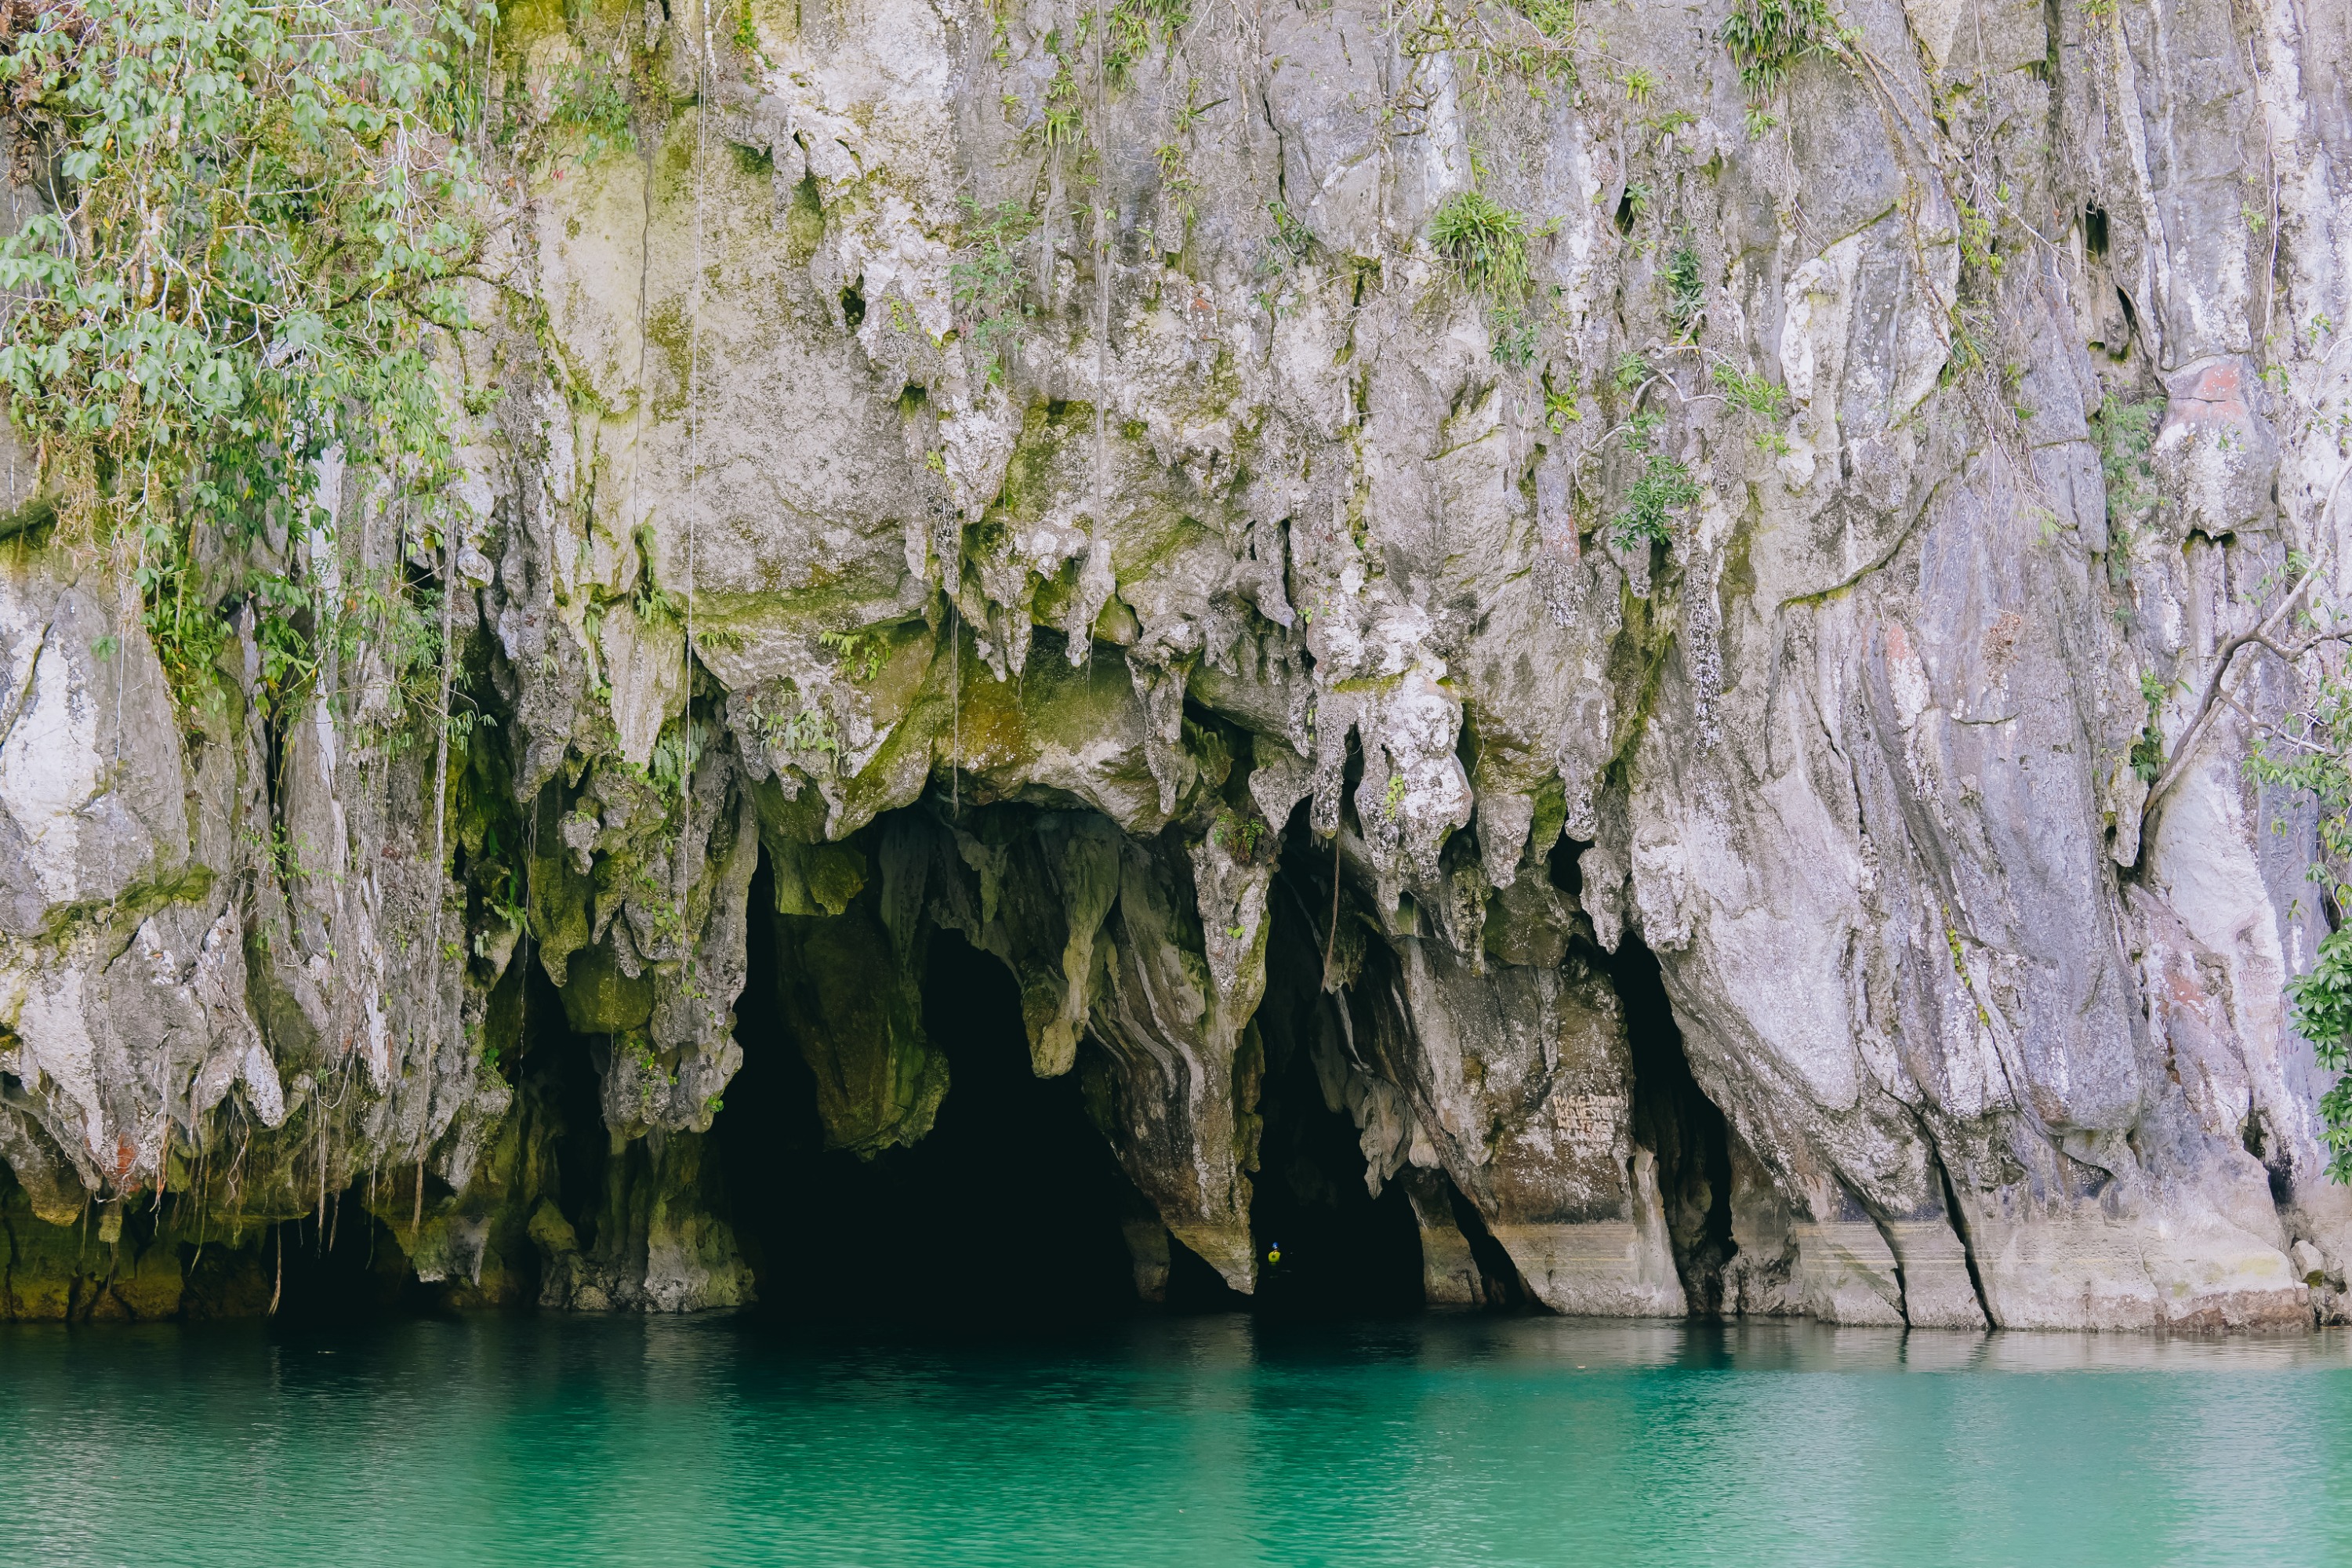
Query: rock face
point(1045, 475)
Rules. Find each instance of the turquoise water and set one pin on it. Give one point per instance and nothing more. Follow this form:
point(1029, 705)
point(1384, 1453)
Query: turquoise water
point(1474, 1441)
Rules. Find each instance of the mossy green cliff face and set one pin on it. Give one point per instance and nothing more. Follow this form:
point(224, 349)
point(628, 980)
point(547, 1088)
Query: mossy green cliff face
point(1565, 578)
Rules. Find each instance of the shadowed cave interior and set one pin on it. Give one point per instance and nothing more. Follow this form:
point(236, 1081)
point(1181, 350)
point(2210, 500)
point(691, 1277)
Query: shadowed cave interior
point(1012, 1206)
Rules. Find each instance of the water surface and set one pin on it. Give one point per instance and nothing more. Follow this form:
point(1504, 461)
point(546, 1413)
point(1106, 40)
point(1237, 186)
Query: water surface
point(1469, 1440)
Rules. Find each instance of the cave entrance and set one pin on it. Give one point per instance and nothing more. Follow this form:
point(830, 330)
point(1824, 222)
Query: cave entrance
point(349, 1269)
point(1673, 1118)
point(1344, 1252)
point(1008, 1212)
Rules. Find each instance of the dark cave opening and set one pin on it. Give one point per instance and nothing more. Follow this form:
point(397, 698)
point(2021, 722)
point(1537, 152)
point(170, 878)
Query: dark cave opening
point(1673, 1118)
point(562, 1081)
point(1343, 1252)
point(352, 1269)
point(1009, 1211)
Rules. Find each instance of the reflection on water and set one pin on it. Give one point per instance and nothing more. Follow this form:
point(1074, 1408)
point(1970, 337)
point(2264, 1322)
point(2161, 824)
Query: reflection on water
point(1473, 1440)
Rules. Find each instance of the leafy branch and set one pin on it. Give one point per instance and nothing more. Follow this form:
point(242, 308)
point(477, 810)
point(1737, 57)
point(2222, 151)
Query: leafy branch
point(988, 283)
point(263, 212)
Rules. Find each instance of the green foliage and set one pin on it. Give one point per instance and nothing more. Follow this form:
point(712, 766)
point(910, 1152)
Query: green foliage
point(1485, 241)
point(1243, 837)
point(1968, 329)
point(656, 606)
point(988, 282)
point(1065, 119)
point(1127, 33)
point(1685, 293)
point(2124, 432)
point(1664, 488)
point(1767, 37)
point(678, 750)
point(1632, 370)
point(806, 730)
point(271, 202)
point(1188, 113)
point(1291, 245)
point(861, 653)
point(1291, 237)
point(1765, 401)
point(591, 117)
point(1536, 40)
point(2147, 755)
point(1977, 240)
point(2323, 1015)
point(1553, 18)
point(1560, 404)
point(1514, 336)
point(2313, 754)
point(1392, 799)
point(747, 31)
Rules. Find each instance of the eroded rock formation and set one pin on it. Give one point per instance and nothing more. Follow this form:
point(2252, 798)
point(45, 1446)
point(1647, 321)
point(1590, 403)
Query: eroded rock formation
point(1029, 473)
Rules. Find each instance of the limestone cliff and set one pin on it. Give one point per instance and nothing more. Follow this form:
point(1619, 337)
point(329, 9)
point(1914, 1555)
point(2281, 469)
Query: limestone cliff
point(1532, 500)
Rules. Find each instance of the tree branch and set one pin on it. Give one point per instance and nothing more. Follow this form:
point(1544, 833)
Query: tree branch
point(2265, 635)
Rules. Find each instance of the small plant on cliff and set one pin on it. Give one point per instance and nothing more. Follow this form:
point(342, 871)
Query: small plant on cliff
point(1064, 121)
point(1241, 836)
point(1766, 37)
point(1664, 488)
point(1288, 248)
point(1536, 40)
point(806, 731)
point(861, 653)
point(590, 118)
point(1560, 403)
point(1765, 400)
point(1514, 337)
point(1485, 241)
point(988, 284)
point(2124, 432)
point(1685, 291)
point(1291, 236)
point(1127, 33)
point(2147, 755)
point(676, 752)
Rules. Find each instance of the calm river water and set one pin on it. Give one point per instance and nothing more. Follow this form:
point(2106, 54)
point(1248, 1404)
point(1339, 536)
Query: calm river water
point(1213, 1441)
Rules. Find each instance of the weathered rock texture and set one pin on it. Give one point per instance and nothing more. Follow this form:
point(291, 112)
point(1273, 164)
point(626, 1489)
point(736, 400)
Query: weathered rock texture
point(1247, 523)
